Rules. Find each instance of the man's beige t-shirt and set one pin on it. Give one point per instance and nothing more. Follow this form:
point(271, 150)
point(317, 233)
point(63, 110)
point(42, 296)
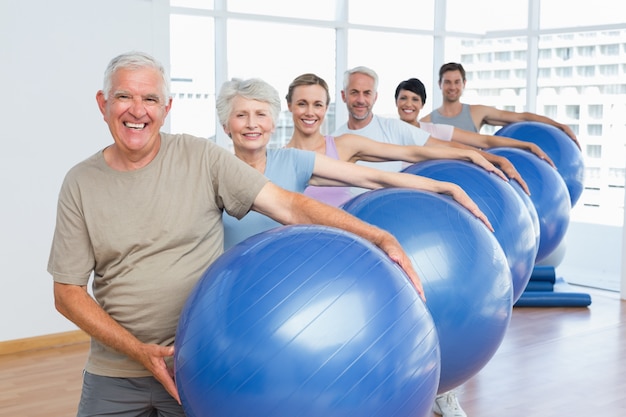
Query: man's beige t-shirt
point(147, 236)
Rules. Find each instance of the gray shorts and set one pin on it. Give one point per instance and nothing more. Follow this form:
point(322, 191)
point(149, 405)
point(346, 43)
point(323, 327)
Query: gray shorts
point(126, 397)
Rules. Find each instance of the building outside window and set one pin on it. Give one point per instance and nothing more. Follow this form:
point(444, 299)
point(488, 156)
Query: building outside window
point(581, 76)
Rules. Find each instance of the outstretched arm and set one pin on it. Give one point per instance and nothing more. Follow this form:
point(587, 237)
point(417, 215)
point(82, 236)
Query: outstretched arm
point(353, 148)
point(293, 208)
point(508, 168)
point(497, 117)
point(331, 172)
point(493, 141)
point(75, 303)
point(504, 164)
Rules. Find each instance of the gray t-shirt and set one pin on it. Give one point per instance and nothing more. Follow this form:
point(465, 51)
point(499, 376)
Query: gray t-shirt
point(462, 120)
point(147, 236)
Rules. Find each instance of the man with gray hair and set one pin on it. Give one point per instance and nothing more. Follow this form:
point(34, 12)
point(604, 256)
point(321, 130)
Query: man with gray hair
point(359, 92)
point(144, 216)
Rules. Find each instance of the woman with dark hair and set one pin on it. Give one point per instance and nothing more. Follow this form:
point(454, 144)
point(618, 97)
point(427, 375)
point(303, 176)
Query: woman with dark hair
point(410, 99)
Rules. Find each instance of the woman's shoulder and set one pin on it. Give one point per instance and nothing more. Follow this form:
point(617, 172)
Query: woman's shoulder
point(288, 154)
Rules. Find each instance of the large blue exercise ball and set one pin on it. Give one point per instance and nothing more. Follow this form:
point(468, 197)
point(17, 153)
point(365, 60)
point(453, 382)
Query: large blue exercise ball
point(556, 257)
point(548, 193)
point(507, 213)
point(466, 278)
point(560, 148)
point(530, 206)
point(306, 321)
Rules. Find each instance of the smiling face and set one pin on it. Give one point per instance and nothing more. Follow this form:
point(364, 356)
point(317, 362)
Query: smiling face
point(360, 96)
point(308, 108)
point(250, 125)
point(135, 110)
point(409, 106)
point(452, 85)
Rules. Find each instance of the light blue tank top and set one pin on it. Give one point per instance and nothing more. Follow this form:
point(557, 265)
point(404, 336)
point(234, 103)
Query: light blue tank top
point(288, 168)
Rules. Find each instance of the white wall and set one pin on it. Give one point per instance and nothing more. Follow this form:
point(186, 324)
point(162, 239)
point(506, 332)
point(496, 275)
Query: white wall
point(53, 56)
point(623, 257)
point(593, 253)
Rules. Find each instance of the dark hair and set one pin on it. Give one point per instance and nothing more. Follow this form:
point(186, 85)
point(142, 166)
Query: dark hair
point(414, 85)
point(451, 66)
point(307, 79)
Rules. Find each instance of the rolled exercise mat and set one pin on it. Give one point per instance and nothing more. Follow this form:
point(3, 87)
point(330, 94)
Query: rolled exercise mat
point(539, 286)
point(561, 295)
point(553, 299)
point(543, 273)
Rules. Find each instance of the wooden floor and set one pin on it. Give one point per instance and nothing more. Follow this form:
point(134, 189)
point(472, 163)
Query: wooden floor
point(553, 362)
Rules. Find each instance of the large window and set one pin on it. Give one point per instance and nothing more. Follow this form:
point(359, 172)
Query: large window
point(468, 16)
point(395, 57)
point(277, 53)
point(279, 40)
point(192, 71)
point(323, 9)
point(573, 13)
point(397, 13)
point(579, 75)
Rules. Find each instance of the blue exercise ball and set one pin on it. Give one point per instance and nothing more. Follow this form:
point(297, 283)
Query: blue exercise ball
point(306, 321)
point(556, 257)
point(507, 213)
point(464, 271)
point(548, 193)
point(530, 206)
point(559, 147)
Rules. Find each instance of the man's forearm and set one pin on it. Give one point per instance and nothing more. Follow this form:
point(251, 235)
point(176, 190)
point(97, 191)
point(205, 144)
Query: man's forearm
point(80, 308)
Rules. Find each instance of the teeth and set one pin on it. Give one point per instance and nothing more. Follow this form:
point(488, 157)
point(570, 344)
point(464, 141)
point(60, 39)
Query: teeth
point(308, 122)
point(135, 125)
